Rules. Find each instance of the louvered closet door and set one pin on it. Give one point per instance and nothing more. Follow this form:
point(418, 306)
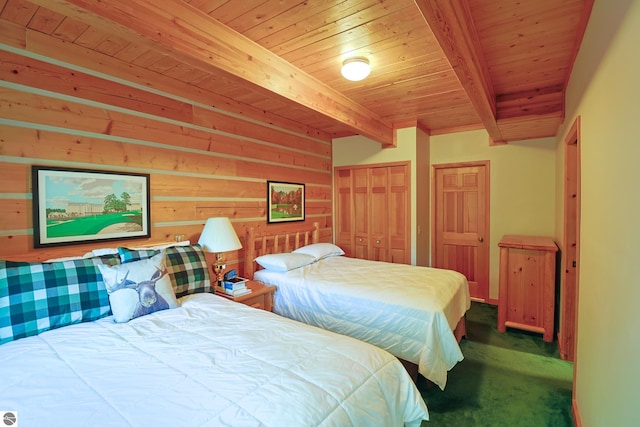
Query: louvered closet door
point(398, 223)
point(361, 213)
point(344, 210)
point(378, 213)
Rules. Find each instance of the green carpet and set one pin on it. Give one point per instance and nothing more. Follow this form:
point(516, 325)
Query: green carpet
point(513, 379)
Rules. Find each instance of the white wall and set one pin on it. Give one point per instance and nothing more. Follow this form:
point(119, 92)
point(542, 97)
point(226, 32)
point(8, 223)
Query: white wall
point(522, 185)
point(604, 90)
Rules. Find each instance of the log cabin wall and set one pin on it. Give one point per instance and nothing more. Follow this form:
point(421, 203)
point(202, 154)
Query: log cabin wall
point(61, 105)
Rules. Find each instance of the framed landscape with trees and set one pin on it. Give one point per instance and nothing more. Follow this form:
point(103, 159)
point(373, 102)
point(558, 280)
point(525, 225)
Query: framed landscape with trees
point(72, 206)
point(285, 201)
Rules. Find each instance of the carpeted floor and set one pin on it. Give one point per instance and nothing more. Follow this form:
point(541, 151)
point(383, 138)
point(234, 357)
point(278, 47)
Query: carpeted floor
point(513, 379)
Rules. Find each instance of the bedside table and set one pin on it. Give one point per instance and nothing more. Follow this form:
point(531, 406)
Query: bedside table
point(261, 296)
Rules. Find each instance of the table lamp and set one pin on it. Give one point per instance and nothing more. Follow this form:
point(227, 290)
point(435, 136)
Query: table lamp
point(218, 236)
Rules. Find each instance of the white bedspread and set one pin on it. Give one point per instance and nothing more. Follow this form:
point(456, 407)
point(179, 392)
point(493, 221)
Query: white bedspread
point(409, 311)
point(211, 362)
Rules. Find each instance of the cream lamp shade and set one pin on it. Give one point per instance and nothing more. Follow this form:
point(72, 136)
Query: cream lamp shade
point(218, 236)
point(355, 69)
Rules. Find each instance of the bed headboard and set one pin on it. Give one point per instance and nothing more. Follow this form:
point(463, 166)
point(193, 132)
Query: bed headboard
point(260, 242)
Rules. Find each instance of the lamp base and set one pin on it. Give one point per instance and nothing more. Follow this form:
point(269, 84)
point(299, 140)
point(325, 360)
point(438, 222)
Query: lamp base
point(218, 268)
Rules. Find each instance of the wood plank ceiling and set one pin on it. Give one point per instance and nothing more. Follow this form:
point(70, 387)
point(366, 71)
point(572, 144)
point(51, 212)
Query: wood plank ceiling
point(443, 65)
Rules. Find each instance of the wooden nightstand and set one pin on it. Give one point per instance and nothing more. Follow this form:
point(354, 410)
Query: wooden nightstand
point(261, 296)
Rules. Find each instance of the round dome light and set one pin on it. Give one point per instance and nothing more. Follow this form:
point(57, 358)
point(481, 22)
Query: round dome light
point(355, 69)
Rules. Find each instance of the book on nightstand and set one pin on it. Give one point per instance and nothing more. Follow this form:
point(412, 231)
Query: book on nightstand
point(232, 293)
point(234, 287)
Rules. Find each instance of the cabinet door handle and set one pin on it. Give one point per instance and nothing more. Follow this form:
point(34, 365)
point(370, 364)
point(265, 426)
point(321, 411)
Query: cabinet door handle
point(360, 239)
point(480, 239)
point(378, 241)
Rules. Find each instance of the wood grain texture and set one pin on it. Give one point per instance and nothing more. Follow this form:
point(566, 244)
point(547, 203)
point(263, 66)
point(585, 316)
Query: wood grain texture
point(444, 64)
point(215, 163)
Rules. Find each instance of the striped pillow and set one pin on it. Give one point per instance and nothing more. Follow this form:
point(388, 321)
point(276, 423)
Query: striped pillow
point(187, 267)
point(36, 297)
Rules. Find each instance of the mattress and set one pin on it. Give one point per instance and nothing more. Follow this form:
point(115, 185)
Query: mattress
point(210, 362)
point(410, 311)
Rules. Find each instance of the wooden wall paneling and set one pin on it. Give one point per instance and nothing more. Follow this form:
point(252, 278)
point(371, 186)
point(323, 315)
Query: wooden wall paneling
point(38, 74)
point(70, 29)
point(12, 34)
point(19, 11)
point(81, 57)
point(45, 20)
point(55, 115)
point(15, 213)
point(207, 186)
point(224, 123)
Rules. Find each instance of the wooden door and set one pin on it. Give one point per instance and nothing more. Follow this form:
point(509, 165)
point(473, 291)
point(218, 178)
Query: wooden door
point(373, 211)
point(378, 208)
point(361, 213)
point(344, 220)
point(461, 226)
point(571, 256)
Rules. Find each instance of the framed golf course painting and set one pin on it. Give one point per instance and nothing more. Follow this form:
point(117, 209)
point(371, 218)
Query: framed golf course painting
point(72, 206)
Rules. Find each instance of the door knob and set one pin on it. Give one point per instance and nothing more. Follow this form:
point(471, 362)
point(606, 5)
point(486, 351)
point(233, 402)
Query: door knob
point(480, 239)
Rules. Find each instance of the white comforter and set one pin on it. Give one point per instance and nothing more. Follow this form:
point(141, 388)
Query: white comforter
point(409, 311)
point(211, 362)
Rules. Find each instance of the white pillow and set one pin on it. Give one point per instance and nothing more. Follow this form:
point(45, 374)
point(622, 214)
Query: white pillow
point(320, 250)
point(138, 288)
point(158, 247)
point(284, 261)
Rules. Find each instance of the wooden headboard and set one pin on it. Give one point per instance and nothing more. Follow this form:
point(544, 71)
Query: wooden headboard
point(261, 242)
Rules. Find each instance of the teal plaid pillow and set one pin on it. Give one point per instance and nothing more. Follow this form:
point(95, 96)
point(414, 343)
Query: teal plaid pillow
point(132, 255)
point(187, 267)
point(36, 297)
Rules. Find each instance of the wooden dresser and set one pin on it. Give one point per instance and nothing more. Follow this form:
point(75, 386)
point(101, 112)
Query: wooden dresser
point(527, 284)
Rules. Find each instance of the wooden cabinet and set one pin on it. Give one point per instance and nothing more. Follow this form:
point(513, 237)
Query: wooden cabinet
point(527, 284)
point(261, 296)
point(373, 211)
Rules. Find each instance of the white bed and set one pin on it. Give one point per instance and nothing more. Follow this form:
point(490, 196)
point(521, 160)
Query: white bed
point(208, 362)
point(415, 313)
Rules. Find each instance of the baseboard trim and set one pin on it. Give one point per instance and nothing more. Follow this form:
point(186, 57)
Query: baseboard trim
point(576, 412)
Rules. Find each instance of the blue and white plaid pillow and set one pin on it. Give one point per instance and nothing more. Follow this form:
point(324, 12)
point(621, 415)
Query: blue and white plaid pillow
point(187, 267)
point(36, 297)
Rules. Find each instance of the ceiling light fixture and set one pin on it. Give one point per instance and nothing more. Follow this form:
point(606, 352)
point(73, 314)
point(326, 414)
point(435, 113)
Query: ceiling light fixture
point(355, 69)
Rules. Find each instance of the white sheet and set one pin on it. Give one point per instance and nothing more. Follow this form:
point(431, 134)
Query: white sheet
point(211, 362)
point(409, 311)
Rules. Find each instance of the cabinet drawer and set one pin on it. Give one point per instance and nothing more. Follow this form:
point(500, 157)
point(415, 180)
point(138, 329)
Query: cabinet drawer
point(255, 302)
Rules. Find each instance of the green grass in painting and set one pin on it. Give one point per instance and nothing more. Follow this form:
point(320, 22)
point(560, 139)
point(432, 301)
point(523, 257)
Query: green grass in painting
point(89, 225)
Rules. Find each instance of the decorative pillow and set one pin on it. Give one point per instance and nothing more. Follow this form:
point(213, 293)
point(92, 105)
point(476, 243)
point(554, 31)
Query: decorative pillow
point(138, 288)
point(284, 261)
point(131, 255)
point(187, 267)
point(320, 250)
point(111, 251)
point(36, 297)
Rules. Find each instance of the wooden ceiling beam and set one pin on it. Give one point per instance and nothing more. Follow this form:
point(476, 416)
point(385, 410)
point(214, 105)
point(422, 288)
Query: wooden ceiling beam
point(452, 24)
point(176, 28)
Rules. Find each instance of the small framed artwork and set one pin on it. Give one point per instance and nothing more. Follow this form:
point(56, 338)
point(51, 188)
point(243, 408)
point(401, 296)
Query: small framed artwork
point(73, 206)
point(285, 201)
